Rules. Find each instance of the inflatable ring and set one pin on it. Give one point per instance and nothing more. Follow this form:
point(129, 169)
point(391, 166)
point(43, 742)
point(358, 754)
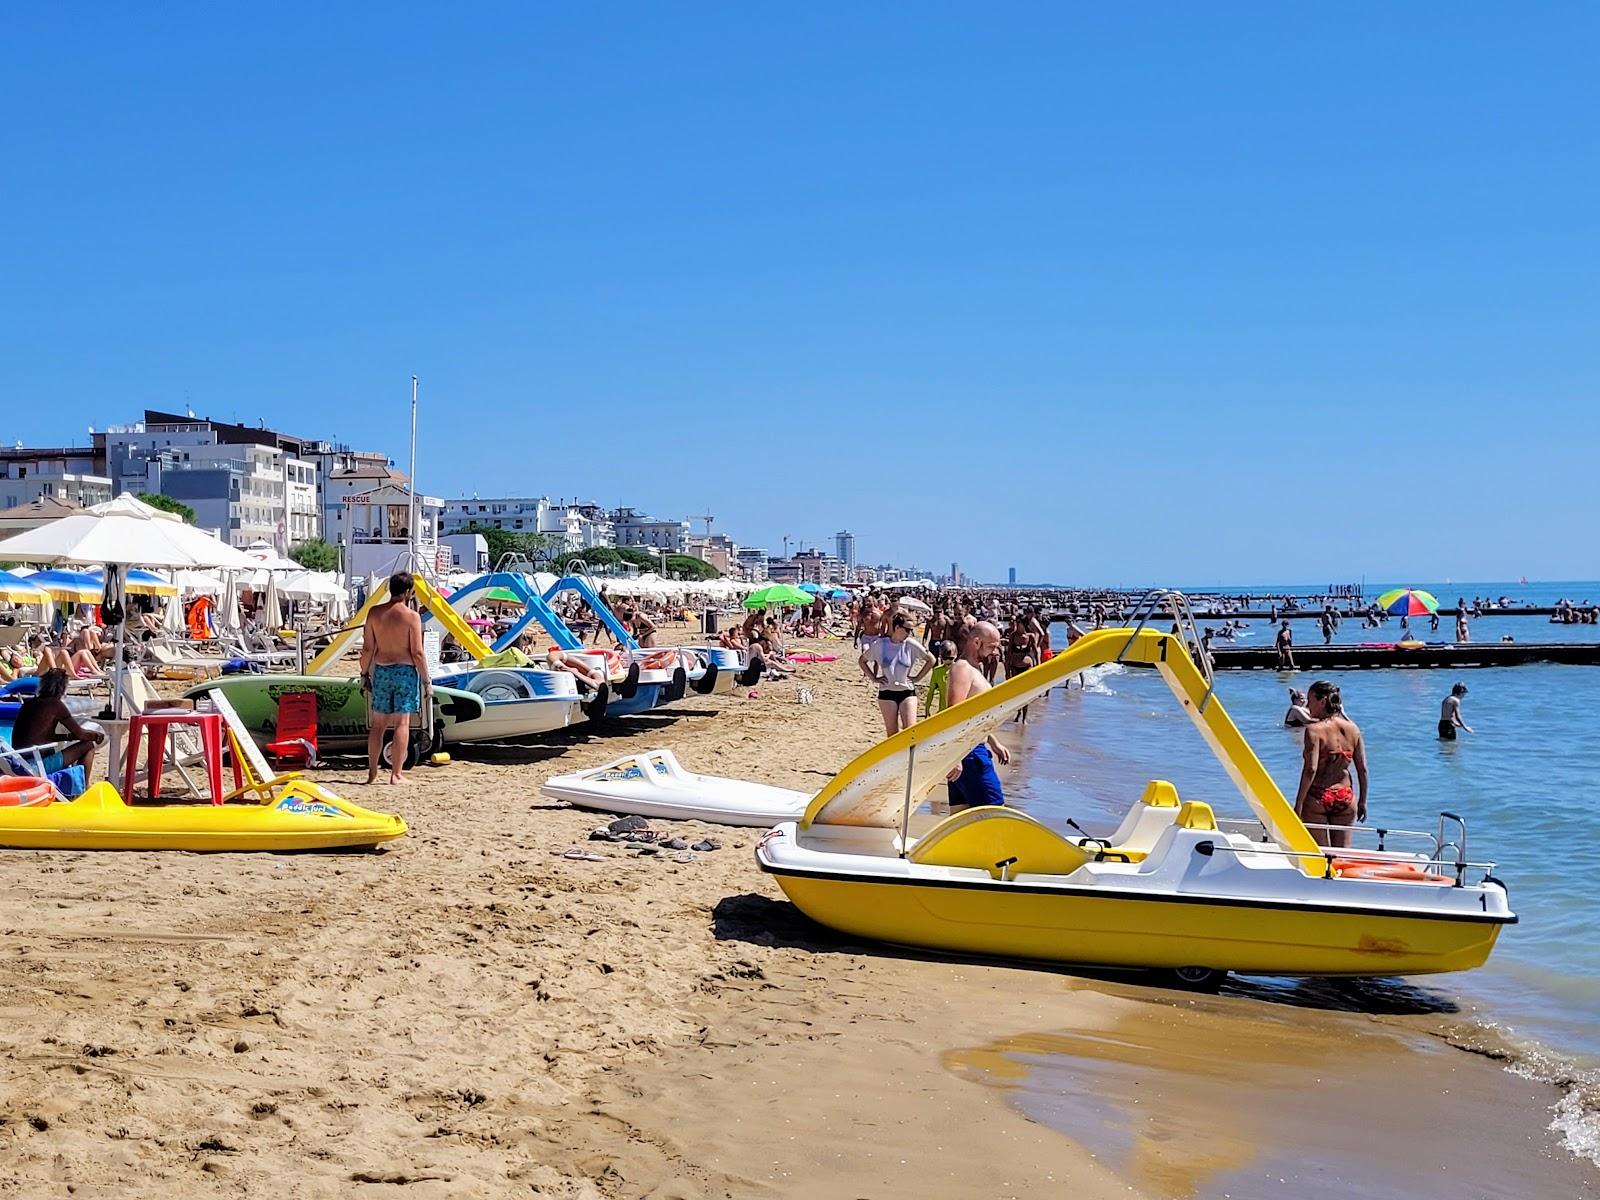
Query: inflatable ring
point(1366, 868)
point(24, 791)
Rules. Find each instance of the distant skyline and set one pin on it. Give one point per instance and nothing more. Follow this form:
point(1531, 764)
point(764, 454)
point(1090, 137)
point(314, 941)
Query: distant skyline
point(1220, 295)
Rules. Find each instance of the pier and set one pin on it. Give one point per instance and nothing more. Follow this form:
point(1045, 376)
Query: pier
point(1203, 615)
point(1463, 655)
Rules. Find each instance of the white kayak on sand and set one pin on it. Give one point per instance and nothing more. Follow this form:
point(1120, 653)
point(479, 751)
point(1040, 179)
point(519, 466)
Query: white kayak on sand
point(653, 784)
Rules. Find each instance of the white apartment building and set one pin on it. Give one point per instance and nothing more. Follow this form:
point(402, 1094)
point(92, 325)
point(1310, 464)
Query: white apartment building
point(634, 528)
point(577, 525)
point(246, 484)
point(68, 474)
point(752, 563)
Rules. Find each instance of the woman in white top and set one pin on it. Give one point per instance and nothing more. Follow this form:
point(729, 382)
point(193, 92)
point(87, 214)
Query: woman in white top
point(896, 662)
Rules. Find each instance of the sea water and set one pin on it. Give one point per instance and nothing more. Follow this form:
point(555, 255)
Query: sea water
point(1527, 780)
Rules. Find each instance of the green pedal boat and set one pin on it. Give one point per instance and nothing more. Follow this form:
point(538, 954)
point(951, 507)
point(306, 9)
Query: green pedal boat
point(341, 710)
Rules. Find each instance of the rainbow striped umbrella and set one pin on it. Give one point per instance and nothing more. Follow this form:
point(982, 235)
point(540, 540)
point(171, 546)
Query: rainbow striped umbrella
point(1409, 602)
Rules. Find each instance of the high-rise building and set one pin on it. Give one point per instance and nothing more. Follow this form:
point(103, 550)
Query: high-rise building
point(955, 574)
point(844, 547)
point(1011, 576)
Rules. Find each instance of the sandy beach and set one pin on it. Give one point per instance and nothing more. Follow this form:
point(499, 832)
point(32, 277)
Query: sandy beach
point(465, 1013)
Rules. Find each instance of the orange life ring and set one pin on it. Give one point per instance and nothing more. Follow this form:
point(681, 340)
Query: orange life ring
point(1367, 868)
point(24, 791)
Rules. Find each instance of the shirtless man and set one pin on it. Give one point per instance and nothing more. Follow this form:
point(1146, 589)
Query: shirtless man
point(394, 674)
point(40, 716)
point(1285, 647)
point(974, 781)
point(1450, 714)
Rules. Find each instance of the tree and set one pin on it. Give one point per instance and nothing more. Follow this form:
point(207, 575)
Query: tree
point(314, 554)
point(685, 566)
point(503, 542)
point(168, 504)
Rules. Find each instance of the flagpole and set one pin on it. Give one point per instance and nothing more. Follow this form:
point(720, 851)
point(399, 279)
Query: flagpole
point(411, 546)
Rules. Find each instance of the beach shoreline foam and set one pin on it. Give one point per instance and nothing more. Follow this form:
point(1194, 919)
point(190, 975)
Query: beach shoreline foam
point(468, 1014)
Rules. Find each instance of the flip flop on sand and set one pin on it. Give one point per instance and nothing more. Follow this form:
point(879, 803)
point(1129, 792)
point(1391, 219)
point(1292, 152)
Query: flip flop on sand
point(683, 856)
point(577, 854)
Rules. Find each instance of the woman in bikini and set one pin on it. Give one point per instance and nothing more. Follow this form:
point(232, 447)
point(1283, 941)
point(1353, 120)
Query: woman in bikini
point(897, 664)
point(1332, 747)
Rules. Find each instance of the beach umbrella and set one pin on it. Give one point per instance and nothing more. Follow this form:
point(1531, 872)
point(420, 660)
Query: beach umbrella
point(125, 532)
point(776, 594)
point(139, 581)
point(813, 588)
point(21, 591)
point(500, 595)
point(914, 605)
point(1409, 602)
point(76, 587)
point(121, 533)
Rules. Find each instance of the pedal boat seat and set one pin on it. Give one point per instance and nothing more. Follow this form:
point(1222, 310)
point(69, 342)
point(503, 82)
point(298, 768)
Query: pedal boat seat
point(1001, 841)
point(1154, 814)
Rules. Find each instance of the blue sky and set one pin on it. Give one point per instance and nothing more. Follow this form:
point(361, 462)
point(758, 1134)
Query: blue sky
point(1108, 293)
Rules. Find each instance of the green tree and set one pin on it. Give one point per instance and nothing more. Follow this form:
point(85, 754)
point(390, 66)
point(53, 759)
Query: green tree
point(684, 566)
point(503, 542)
point(314, 554)
point(168, 504)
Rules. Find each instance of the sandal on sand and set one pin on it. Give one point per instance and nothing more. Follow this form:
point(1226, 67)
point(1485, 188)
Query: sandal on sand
point(676, 843)
point(683, 856)
point(577, 854)
point(707, 844)
point(628, 824)
point(642, 850)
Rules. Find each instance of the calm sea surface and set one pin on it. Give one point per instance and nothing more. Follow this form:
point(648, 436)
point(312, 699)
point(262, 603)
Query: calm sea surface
point(1525, 780)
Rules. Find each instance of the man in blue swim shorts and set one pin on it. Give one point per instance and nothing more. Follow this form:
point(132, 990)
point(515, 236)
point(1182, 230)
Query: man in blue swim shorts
point(394, 674)
point(975, 782)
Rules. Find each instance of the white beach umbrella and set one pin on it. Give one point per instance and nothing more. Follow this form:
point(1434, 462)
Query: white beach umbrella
point(199, 583)
point(274, 615)
point(123, 532)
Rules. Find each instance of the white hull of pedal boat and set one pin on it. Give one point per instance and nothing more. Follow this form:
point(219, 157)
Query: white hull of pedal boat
point(517, 702)
point(653, 784)
point(1188, 904)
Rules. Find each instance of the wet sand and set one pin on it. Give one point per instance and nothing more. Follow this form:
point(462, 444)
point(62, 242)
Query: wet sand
point(468, 1014)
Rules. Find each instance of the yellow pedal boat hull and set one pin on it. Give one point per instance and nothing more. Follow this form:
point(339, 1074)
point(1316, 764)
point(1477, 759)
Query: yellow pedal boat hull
point(1055, 925)
point(301, 817)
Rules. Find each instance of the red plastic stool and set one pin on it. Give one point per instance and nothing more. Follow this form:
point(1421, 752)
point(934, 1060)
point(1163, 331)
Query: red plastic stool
point(154, 726)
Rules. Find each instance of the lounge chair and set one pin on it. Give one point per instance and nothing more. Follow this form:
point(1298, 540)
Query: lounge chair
point(68, 781)
point(173, 663)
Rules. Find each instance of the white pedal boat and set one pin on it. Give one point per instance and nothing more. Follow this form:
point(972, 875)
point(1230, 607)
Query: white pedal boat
point(517, 701)
point(653, 784)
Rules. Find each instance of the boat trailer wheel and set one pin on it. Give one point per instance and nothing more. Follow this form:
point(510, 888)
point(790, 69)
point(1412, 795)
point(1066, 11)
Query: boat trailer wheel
point(1196, 979)
point(414, 750)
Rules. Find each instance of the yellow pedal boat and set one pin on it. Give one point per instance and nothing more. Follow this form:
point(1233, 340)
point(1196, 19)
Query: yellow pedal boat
point(1173, 889)
point(299, 816)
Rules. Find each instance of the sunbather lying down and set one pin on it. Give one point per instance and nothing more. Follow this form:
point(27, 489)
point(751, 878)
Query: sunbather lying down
point(52, 656)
